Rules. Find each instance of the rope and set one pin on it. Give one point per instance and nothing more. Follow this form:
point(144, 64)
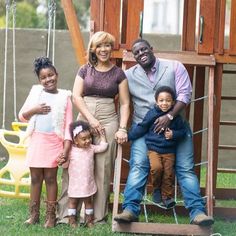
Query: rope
point(54, 32)
point(49, 26)
point(14, 55)
point(5, 66)
point(51, 20)
point(200, 98)
point(200, 131)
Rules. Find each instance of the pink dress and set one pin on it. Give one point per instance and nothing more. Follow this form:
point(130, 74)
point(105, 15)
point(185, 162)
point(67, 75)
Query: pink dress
point(81, 170)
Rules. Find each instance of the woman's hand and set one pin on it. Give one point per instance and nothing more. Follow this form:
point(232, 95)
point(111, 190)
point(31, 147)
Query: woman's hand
point(97, 128)
point(121, 136)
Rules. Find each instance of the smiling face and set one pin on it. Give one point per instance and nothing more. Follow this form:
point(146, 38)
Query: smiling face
point(83, 139)
point(165, 101)
point(143, 54)
point(103, 52)
point(48, 79)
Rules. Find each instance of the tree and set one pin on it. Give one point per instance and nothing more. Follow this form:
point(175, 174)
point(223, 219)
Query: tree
point(28, 17)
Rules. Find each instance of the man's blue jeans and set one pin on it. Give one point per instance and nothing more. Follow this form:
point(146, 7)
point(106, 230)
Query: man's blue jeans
point(184, 168)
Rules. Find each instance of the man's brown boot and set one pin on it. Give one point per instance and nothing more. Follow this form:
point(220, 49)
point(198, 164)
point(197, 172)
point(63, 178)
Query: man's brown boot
point(34, 213)
point(125, 217)
point(50, 214)
point(203, 220)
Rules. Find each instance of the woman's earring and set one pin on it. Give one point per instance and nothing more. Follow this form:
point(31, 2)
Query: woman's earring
point(94, 57)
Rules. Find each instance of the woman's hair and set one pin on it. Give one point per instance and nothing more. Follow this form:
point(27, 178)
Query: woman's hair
point(167, 90)
point(77, 127)
point(96, 39)
point(42, 63)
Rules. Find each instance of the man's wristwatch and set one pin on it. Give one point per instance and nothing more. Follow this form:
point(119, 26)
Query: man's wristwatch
point(170, 116)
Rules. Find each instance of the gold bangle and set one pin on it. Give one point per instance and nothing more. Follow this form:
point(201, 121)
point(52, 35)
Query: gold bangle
point(123, 130)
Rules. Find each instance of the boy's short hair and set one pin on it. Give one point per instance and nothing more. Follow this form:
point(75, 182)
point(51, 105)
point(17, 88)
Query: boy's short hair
point(165, 89)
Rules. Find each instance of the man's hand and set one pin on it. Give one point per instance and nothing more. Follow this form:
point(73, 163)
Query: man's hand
point(161, 124)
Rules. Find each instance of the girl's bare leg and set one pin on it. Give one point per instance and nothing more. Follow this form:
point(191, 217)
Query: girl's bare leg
point(50, 177)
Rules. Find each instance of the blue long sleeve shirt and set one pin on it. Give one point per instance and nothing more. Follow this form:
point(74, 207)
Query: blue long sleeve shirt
point(157, 142)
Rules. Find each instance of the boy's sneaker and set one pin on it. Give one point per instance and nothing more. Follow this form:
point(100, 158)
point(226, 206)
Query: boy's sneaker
point(169, 202)
point(156, 196)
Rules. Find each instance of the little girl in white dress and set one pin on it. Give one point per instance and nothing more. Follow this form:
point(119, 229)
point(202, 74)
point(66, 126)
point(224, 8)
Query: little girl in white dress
point(82, 185)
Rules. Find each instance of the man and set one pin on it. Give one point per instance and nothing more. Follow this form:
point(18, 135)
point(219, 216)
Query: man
point(144, 78)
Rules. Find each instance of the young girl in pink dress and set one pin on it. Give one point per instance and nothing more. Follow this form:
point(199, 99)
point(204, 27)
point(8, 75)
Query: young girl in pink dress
point(48, 111)
point(82, 185)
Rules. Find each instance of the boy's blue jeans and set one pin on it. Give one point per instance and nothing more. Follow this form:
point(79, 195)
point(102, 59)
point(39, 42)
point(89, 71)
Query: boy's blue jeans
point(184, 168)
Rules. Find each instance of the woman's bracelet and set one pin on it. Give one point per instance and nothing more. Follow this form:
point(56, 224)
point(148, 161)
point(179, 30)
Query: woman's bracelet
point(123, 129)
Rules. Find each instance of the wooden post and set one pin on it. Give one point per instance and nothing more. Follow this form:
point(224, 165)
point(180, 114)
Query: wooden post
point(74, 29)
point(210, 141)
point(232, 34)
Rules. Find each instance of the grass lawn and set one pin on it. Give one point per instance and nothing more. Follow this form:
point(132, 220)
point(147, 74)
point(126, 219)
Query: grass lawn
point(13, 212)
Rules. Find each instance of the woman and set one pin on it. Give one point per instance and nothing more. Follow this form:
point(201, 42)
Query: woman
point(96, 86)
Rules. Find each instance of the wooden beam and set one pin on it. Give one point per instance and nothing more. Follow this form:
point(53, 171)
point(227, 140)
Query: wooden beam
point(97, 14)
point(210, 141)
point(161, 229)
point(226, 58)
point(198, 116)
point(117, 177)
point(74, 29)
point(221, 32)
point(207, 27)
point(232, 33)
point(188, 58)
point(224, 193)
point(112, 20)
point(189, 25)
point(216, 116)
point(132, 20)
point(226, 170)
point(228, 213)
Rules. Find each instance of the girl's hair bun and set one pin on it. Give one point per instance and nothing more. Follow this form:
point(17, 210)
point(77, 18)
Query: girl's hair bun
point(42, 62)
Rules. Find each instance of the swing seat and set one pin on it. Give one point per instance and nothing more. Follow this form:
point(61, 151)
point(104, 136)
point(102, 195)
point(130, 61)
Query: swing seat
point(19, 126)
point(14, 176)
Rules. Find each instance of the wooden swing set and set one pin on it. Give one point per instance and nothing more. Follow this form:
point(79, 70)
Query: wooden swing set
point(204, 59)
